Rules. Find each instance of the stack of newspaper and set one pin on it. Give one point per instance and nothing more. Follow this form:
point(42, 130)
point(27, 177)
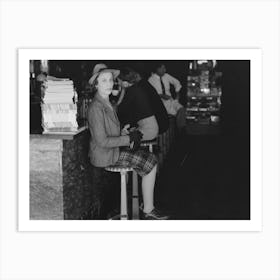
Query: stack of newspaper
point(59, 107)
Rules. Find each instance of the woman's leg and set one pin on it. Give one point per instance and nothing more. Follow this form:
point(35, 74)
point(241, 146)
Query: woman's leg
point(148, 186)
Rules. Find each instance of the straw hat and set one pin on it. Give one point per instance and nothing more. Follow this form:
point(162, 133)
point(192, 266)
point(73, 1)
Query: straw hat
point(102, 68)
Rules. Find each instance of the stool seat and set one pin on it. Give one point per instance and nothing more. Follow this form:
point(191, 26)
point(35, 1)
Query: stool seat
point(116, 168)
point(148, 142)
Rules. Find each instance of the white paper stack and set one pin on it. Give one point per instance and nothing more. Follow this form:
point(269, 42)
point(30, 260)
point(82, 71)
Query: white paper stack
point(59, 112)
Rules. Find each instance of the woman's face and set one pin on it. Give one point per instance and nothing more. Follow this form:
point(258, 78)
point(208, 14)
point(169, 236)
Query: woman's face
point(105, 83)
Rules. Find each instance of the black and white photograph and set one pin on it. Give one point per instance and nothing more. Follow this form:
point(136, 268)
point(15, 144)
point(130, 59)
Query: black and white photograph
point(140, 139)
point(181, 127)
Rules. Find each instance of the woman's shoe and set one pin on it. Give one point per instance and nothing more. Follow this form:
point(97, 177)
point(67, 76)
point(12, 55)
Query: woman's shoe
point(155, 214)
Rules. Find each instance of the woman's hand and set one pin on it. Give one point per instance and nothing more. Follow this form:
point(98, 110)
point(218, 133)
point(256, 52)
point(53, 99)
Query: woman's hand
point(165, 96)
point(135, 137)
point(125, 84)
point(122, 94)
point(125, 130)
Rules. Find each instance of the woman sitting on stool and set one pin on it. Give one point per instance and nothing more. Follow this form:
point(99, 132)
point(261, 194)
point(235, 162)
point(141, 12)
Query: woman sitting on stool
point(106, 140)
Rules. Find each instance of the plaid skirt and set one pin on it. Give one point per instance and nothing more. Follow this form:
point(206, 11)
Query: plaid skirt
point(141, 161)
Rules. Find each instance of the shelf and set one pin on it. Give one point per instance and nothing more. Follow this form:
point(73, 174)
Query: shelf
point(200, 95)
point(203, 129)
point(202, 110)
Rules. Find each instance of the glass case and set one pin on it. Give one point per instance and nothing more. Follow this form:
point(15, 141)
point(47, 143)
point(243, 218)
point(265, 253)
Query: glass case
point(203, 94)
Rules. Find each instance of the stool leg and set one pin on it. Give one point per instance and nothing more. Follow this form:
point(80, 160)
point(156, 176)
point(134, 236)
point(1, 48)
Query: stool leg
point(123, 197)
point(135, 196)
point(164, 145)
point(160, 154)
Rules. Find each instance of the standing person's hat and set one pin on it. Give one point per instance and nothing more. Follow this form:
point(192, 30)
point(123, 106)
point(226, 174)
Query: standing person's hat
point(102, 68)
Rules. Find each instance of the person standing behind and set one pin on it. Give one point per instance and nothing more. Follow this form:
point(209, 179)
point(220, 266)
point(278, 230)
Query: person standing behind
point(162, 82)
point(134, 107)
point(140, 86)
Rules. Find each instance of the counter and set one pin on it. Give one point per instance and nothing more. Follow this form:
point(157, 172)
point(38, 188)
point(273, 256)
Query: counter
point(60, 181)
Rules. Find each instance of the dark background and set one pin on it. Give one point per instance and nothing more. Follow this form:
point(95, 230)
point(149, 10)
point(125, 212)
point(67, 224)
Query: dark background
point(205, 176)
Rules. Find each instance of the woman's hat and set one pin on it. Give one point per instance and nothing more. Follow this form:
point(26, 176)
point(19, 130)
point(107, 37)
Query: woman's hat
point(102, 68)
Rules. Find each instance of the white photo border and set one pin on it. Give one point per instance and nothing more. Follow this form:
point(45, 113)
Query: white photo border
point(255, 57)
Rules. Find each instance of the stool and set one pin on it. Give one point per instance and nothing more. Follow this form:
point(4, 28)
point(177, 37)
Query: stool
point(149, 143)
point(160, 154)
point(164, 144)
point(172, 125)
point(123, 171)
